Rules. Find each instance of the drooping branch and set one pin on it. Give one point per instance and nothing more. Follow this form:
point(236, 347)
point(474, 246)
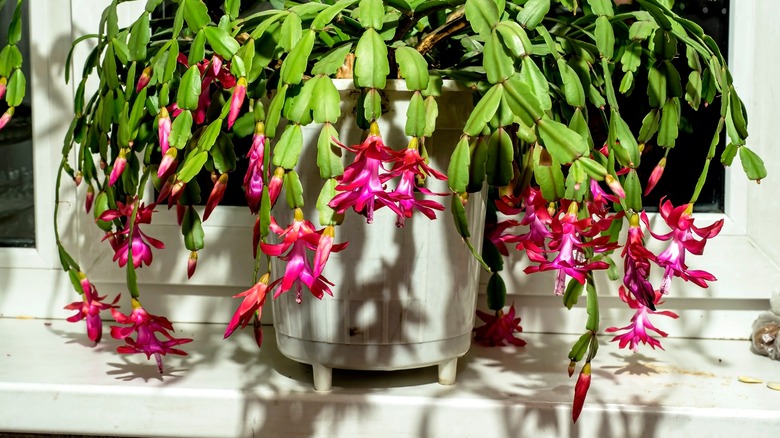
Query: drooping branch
point(455, 22)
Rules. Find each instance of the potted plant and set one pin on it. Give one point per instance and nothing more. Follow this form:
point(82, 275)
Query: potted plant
point(545, 139)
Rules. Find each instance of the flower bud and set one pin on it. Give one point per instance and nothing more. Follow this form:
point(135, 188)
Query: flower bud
point(6, 117)
point(572, 364)
point(275, 185)
point(119, 166)
point(239, 93)
point(146, 75)
point(614, 185)
point(176, 191)
point(164, 129)
point(3, 86)
point(581, 391)
point(78, 178)
point(192, 263)
point(216, 195)
point(168, 163)
point(90, 198)
point(658, 171)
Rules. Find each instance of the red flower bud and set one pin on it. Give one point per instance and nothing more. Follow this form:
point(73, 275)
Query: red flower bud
point(192, 263)
point(163, 129)
point(146, 75)
point(239, 93)
point(90, 198)
point(216, 195)
point(615, 186)
point(168, 163)
point(6, 117)
point(119, 166)
point(658, 171)
point(580, 391)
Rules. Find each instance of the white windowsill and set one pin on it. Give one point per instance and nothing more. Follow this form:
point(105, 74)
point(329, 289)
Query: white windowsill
point(52, 382)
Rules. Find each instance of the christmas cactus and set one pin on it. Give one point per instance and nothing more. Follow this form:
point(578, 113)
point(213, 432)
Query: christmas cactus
point(217, 83)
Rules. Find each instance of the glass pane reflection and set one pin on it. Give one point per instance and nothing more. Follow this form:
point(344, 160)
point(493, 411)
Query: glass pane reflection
point(17, 218)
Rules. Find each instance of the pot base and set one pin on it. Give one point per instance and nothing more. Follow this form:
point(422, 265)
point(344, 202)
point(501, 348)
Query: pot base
point(325, 356)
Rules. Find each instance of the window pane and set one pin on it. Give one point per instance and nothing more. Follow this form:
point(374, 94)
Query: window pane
point(17, 219)
point(685, 161)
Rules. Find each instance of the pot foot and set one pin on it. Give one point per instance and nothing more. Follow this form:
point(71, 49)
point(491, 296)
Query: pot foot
point(323, 377)
point(447, 371)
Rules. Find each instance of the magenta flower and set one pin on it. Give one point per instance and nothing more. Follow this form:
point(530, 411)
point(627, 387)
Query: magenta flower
point(146, 326)
point(143, 80)
point(672, 259)
point(494, 231)
point(89, 309)
point(297, 238)
point(236, 100)
point(362, 184)
point(536, 218)
point(499, 329)
point(636, 264)
point(126, 241)
point(163, 129)
point(413, 168)
point(3, 86)
point(254, 298)
point(600, 200)
point(119, 166)
point(215, 197)
point(567, 240)
point(580, 392)
point(636, 331)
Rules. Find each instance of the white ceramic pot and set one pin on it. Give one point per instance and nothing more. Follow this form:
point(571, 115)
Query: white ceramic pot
point(403, 297)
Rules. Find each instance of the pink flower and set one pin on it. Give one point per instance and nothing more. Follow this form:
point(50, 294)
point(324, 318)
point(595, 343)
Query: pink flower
point(636, 331)
point(119, 166)
point(636, 264)
point(567, 235)
point(126, 241)
point(495, 233)
point(655, 176)
point(580, 392)
point(3, 86)
point(143, 80)
point(146, 326)
point(672, 259)
point(215, 197)
point(163, 129)
point(536, 217)
point(252, 305)
point(297, 238)
point(413, 168)
point(499, 329)
point(600, 199)
point(89, 308)
point(362, 184)
point(236, 100)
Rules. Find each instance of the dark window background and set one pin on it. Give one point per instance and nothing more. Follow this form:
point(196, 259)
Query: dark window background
point(685, 161)
point(17, 214)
